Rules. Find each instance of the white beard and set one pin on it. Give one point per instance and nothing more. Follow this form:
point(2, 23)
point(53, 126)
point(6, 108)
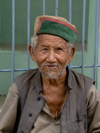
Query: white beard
point(49, 74)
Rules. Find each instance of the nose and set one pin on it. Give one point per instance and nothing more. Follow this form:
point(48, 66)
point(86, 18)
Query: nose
point(51, 56)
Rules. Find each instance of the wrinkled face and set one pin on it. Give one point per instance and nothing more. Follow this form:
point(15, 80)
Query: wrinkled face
point(51, 56)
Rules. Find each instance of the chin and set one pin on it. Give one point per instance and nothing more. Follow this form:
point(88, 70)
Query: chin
point(51, 76)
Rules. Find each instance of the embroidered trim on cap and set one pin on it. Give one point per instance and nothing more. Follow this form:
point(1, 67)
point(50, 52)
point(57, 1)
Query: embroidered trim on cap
point(54, 20)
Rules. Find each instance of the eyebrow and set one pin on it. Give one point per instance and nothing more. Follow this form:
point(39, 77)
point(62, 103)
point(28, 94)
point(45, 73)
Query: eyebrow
point(43, 45)
point(60, 45)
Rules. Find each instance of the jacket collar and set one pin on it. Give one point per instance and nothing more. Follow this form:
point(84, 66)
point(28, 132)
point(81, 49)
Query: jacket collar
point(70, 78)
point(37, 82)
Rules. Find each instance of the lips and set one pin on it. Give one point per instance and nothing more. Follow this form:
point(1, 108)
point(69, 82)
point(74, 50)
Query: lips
point(51, 66)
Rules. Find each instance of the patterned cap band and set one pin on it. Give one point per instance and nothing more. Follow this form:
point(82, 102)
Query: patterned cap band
point(56, 26)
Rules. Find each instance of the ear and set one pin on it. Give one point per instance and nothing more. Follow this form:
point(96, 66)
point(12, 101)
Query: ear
point(71, 54)
point(32, 53)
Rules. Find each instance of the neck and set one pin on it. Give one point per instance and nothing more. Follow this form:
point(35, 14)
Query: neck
point(54, 85)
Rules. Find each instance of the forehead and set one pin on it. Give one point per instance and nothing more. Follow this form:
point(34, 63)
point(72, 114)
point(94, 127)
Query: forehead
point(47, 38)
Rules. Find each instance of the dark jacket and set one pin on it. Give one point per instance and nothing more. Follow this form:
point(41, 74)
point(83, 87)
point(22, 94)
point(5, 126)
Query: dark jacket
point(74, 113)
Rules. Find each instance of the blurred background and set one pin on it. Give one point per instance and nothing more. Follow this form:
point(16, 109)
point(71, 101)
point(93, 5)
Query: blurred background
point(16, 28)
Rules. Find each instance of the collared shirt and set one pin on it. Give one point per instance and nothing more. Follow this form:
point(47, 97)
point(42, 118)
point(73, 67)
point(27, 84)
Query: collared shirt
point(45, 123)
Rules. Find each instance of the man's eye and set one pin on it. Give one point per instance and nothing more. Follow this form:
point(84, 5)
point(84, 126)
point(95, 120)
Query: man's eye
point(44, 49)
point(59, 48)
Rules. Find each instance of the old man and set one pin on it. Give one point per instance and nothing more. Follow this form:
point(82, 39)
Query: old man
point(51, 98)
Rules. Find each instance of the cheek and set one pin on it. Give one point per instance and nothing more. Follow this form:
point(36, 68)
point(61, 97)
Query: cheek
point(40, 57)
point(62, 59)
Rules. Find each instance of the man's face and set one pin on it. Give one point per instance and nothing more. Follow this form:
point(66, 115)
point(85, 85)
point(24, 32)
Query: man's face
point(51, 56)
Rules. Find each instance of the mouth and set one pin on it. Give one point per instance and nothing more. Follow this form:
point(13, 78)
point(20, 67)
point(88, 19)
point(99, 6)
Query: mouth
point(51, 66)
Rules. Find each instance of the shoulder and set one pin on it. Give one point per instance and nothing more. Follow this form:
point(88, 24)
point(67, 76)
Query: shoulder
point(93, 109)
point(92, 97)
point(28, 75)
point(24, 80)
point(9, 110)
point(79, 80)
point(81, 76)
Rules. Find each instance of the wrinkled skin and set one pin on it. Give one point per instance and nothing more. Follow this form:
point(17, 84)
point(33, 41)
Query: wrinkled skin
point(51, 56)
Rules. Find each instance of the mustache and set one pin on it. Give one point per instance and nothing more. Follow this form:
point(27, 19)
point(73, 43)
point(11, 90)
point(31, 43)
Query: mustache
point(50, 64)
